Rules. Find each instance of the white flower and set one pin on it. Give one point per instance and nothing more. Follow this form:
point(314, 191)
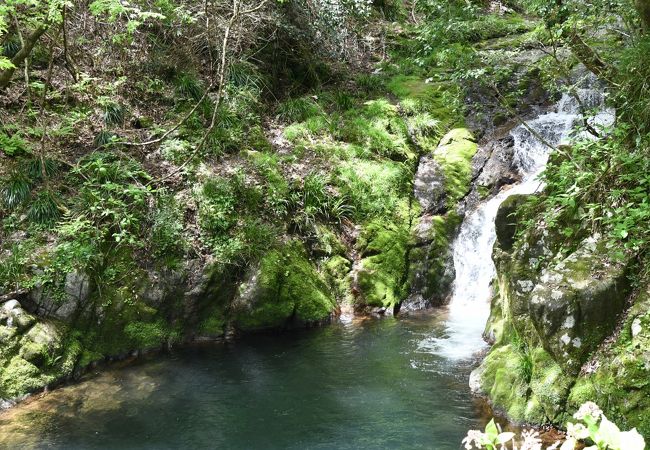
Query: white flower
point(531, 440)
point(577, 431)
point(588, 409)
point(473, 437)
point(632, 440)
point(569, 444)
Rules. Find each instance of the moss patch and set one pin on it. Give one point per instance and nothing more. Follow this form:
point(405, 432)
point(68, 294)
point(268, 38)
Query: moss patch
point(454, 154)
point(381, 278)
point(290, 291)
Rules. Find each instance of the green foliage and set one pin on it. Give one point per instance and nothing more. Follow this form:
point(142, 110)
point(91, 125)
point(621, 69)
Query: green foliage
point(600, 185)
point(13, 145)
point(167, 239)
point(217, 206)
point(370, 84)
point(633, 77)
point(15, 189)
point(105, 138)
point(114, 113)
point(313, 201)
point(44, 208)
point(188, 86)
point(298, 109)
point(373, 188)
point(112, 197)
point(40, 168)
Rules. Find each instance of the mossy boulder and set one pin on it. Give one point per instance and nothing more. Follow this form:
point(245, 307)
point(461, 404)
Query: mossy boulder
point(549, 316)
point(285, 290)
point(618, 376)
point(572, 310)
point(382, 275)
point(454, 155)
point(431, 264)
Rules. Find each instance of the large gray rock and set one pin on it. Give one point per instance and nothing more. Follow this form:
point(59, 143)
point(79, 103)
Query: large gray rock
point(506, 221)
point(577, 303)
point(76, 292)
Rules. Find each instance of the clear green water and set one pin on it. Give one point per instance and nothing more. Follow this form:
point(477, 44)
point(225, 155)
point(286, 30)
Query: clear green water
point(371, 384)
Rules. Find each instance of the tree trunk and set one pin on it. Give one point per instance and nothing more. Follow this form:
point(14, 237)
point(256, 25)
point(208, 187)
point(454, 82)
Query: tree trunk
point(643, 7)
point(23, 53)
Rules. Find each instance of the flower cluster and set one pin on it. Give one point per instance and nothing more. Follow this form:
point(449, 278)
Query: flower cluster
point(596, 430)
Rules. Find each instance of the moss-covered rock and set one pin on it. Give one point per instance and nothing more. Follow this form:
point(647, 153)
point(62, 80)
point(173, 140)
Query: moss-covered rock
point(431, 265)
point(382, 275)
point(549, 317)
point(454, 155)
point(618, 377)
point(285, 290)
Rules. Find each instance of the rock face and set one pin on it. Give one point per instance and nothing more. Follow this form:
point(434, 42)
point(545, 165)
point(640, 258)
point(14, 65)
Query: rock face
point(75, 294)
point(429, 186)
point(549, 323)
point(443, 178)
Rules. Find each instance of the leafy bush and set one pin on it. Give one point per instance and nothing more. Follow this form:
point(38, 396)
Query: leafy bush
point(167, 228)
point(13, 145)
point(217, 202)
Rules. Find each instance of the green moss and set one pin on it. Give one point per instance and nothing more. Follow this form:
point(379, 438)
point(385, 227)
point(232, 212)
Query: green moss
point(549, 384)
point(381, 278)
point(442, 101)
point(20, 377)
point(327, 242)
point(214, 324)
point(503, 380)
point(336, 272)
point(146, 335)
point(290, 290)
point(454, 154)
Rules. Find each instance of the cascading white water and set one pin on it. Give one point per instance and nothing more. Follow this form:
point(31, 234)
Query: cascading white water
point(469, 308)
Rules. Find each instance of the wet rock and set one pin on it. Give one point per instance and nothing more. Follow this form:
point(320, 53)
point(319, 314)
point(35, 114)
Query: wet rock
point(506, 221)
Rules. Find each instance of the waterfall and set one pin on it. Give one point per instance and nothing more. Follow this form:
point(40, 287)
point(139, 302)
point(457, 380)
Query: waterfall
point(469, 308)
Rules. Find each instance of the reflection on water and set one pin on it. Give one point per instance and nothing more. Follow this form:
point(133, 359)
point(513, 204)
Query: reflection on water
point(363, 384)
